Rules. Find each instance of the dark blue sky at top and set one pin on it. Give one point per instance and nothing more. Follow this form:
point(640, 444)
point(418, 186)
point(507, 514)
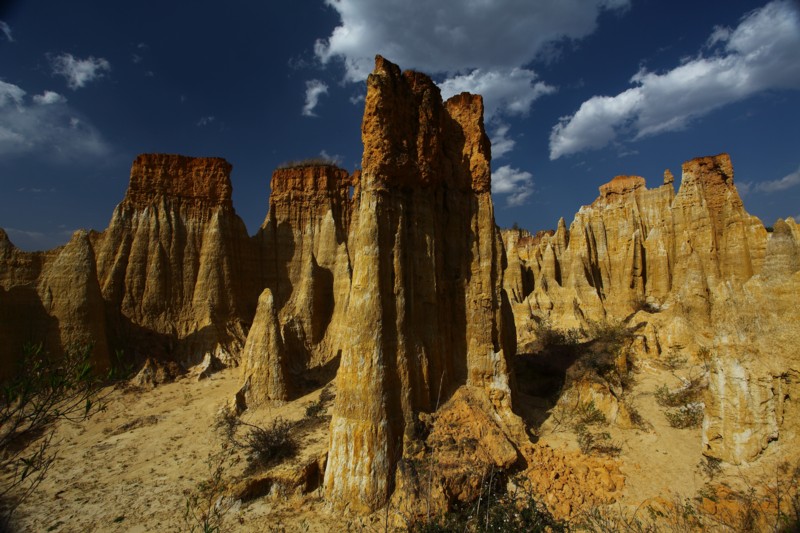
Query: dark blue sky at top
point(172, 66)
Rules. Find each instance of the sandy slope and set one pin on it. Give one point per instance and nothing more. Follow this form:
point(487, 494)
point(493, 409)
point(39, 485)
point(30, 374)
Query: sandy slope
point(130, 467)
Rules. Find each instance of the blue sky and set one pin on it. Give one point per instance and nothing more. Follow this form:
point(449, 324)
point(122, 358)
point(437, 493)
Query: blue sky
point(577, 91)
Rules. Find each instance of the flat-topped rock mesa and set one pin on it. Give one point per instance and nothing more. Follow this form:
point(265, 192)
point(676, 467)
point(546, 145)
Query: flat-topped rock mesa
point(202, 181)
point(52, 298)
point(176, 265)
point(305, 268)
point(691, 270)
point(426, 310)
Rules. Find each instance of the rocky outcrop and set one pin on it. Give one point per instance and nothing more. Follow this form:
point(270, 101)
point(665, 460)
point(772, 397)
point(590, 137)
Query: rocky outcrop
point(635, 247)
point(755, 370)
point(265, 365)
point(51, 298)
point(426, 308)
point(690, 271)
point(306, 268)
point(176, 265)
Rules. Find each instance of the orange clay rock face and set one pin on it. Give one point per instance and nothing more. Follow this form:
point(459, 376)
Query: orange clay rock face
point(306, 269)
point(426, 311)
point(570, 482)
point(175, 262)
point(462, 446)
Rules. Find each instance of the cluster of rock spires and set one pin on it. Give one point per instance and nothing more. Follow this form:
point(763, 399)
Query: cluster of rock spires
point(692, 270)
point(396, 280)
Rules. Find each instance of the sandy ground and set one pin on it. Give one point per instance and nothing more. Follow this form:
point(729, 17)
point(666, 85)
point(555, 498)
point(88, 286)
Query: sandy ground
point(131, 467)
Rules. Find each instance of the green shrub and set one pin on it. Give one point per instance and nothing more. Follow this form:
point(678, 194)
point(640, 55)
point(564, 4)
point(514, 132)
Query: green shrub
point(42, 390)
point(687, 416)
point(711, 466)
point(268, 446)
point(264, 446)
point(551, 338)
point(674, 360)
point(687, 394)
point(494, 511)
point(308, 162)
point(316, 408)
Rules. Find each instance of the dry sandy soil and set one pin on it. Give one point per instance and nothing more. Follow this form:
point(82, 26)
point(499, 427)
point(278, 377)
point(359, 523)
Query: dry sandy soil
point(132, 466)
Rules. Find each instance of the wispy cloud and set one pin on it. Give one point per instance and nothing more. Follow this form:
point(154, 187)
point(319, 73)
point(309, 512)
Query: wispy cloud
point(789, 181)
point(336, 159)
point(44, 124)
point(205, 121)
point(6, 29)
point(314, 89)
point(79, 72)
point(760, 54)
point(513, 182)
point(501, 142)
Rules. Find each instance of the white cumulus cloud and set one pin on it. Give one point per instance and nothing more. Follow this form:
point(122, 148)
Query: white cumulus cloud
point(79, 72)
point(314, 89)
point(501, 142)
point(454, 36)
point(509, 91)
point(46, 125)
point(515, 183)
point(49, 97)
point(759, 54)
point(479, 46)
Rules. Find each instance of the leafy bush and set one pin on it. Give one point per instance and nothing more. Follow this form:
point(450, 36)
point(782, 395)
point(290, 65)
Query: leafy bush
point(264, 446)
point(674, 360)
point(711, 466)
point(270, 445)
point(316, 408)
point(687, 394)
point(42, 390)
point(609, 332)
point(688, 416)
point(494, 511)
point(588, 414)
point(308, 162)
point(206, 505)
point(591, 442)
point(551, 338)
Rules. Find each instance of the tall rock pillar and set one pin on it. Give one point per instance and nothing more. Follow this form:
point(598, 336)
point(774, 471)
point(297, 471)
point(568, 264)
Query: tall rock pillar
point(427, 312)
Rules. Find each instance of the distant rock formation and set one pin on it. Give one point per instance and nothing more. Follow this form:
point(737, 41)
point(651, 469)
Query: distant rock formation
point(633, 246)
point(306, 266)
point(692, 270)
point(51, 298)
point(176, 264)
point(265, 372)
point(425, 313)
